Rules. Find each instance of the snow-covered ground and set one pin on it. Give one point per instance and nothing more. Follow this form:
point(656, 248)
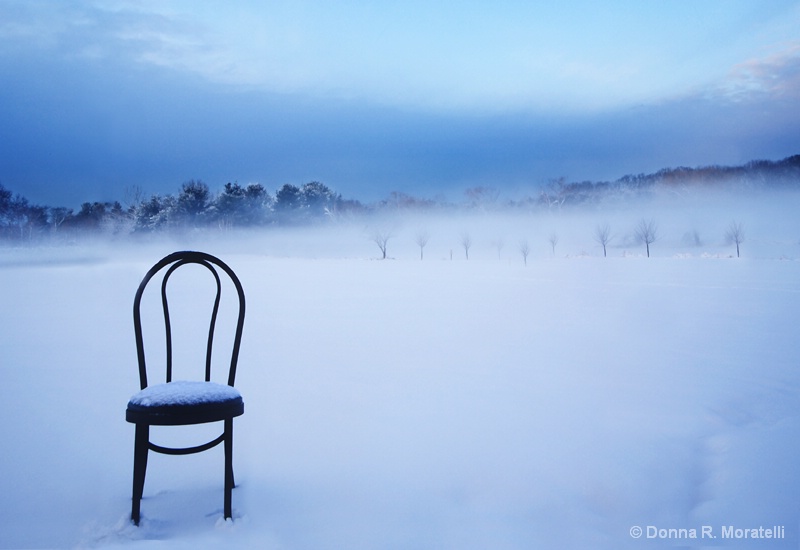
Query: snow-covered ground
point(428, 404)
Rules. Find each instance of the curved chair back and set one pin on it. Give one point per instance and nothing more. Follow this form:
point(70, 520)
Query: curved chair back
point(171, 263)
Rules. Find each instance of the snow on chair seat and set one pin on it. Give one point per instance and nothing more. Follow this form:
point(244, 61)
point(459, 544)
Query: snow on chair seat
point(184, 402)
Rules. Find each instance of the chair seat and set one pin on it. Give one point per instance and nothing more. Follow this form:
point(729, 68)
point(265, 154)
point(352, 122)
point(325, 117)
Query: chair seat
point(184, 402)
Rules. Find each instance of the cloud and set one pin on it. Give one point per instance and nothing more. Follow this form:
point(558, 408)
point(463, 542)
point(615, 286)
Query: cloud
point(146, 95)
point(418, 56)
point(776, 76)
point(110, 31)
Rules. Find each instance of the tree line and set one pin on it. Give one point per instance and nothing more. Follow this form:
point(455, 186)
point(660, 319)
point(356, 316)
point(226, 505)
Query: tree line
point(645, 233)
point(195, 206)
point(752, 175)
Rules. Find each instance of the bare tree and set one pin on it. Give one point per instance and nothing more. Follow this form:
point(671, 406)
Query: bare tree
point(466, 242)
point(133, 196)
point(421, 240)
point(693, 237)
point(498, 244)
point(646, 232)
point(602, 234)
point(553, 240)
point(554, 195)
point(58, 215)
point(524, 249)
point(482, 197)
point(381, 238)
point(735, 235)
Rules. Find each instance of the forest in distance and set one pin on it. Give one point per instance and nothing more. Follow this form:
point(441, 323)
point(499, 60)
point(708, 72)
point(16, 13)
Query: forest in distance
point(197, 207)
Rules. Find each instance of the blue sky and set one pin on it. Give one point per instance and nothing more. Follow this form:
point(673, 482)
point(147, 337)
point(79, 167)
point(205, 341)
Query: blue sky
point(423, 97)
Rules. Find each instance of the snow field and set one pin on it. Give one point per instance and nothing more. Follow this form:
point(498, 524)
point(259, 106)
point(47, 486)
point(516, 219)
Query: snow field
point(408, 404)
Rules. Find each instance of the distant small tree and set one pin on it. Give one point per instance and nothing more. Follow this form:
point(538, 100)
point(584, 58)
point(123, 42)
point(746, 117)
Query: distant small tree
point(157, 212)
point(482, 197)
point(193, 201)
point(288, 197)
point(5, 200)
point(602, 234)
point(258, 203)
point(524, 249)
point(229, 205)
point(90, 216)
point(694, 238)
point(421, 240)
point(242, 206)
point(466, 242)
point(646, 232)
point(25, 218)
point(553, 240)
point(57, 215)
point(132, 197)
point(317, 198)
point(554, 195)
point(498, 243)
point(381, 238)
point(735, 235)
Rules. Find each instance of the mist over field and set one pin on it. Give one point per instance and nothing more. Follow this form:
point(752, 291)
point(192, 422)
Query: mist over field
point(518, 275)
point(445, 402)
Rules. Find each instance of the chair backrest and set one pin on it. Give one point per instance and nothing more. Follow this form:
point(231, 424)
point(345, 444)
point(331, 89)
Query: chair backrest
point(172, 263)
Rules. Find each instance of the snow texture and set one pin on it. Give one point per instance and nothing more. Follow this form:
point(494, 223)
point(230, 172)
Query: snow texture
point(464, 404)
point(184, 392)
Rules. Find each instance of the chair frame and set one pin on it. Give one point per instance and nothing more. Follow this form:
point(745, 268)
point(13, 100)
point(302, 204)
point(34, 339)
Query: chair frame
point(142, 443)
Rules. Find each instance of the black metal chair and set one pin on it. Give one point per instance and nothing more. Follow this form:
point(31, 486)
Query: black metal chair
point(176, 403)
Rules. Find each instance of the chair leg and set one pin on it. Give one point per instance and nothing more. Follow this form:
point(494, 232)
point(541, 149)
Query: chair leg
point(141, 446)
point(228, 466)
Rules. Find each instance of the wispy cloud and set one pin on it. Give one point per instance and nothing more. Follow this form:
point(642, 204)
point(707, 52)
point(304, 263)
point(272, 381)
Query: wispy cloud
point(119, 31)
point(513, 58)
point(776, 76)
